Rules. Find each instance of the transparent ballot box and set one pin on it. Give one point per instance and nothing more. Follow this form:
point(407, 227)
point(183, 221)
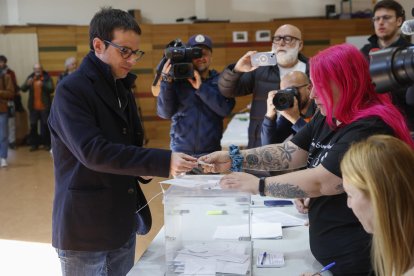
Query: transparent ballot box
point(207, 232)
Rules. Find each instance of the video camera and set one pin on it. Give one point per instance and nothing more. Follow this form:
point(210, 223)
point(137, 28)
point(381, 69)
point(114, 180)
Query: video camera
point(392, 68)
point(285, 98)
point(181, 58)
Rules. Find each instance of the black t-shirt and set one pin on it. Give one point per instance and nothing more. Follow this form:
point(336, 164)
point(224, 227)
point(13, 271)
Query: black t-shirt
point(335, 233)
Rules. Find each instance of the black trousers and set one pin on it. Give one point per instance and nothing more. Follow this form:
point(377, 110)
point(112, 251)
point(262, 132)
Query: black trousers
point(36, 139)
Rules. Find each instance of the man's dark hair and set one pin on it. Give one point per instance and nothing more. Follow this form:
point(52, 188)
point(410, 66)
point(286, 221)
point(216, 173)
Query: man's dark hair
point(107, 20)
point(391, 5)
point(3, 58)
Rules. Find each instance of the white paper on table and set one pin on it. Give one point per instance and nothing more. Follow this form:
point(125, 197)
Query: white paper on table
point(272, 215)
point(233, 232)
point(205, 181)
point(267, 230)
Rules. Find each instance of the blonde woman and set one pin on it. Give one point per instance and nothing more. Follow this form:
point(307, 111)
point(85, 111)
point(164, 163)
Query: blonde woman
point(378, 176)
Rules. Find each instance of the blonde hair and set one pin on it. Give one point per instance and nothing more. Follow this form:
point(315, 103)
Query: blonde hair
point(383, 168)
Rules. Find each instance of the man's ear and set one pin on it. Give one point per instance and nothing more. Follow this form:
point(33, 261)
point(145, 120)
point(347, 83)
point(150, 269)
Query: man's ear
point(300, 45)
point(399, 21)
point(98, 45)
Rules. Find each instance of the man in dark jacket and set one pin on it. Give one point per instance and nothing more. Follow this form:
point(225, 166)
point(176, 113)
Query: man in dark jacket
point(388, 18)
point(280, 125)
point(196, 107)
point(243, 79)
point(98, 157)
point(40, 86)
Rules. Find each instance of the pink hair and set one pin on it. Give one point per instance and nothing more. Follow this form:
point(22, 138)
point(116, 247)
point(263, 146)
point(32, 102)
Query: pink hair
point(344, 66)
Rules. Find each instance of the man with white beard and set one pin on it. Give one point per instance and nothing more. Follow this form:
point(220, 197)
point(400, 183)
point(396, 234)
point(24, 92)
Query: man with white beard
point(242, 78)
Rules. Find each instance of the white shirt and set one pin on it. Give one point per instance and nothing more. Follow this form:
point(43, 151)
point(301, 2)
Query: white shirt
point(300, 66)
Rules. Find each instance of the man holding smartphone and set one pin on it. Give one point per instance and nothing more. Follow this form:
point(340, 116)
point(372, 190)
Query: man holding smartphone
point(242, 78)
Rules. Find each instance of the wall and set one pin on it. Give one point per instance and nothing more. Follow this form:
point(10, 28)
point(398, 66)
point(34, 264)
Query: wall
point(79, 12)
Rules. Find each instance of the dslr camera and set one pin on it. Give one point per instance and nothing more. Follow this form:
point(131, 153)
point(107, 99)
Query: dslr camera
point(181, 58)
point(285, 98)
point(392, 68)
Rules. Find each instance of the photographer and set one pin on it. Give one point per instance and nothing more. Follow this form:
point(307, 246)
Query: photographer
point(40, 86)
point(276, 129)
point(387, 20)
point(242, 78)
point(194, 105)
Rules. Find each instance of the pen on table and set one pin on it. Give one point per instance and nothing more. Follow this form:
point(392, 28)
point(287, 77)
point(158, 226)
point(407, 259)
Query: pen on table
point(263, 258)
point(324, 268)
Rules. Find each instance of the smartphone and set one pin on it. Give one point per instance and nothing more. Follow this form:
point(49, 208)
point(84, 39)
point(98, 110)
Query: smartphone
point(263, 59)
point(277, 202)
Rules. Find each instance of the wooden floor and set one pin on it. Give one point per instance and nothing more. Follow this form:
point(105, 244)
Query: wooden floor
point(26, 191)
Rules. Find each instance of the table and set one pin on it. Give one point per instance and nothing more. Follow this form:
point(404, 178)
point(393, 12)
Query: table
point(294, 245)
point(236, 132)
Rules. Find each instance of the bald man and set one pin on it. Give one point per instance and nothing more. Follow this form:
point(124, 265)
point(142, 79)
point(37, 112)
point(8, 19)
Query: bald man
point(279, 125)
point(242, 78)
point(40, 87)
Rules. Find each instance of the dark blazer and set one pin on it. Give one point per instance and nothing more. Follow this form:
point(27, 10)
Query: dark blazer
point(98, 155)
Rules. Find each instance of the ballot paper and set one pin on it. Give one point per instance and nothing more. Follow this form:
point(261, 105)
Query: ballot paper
point(262, 230)
point(209, 259)
point(275, 216)
point(204, 181)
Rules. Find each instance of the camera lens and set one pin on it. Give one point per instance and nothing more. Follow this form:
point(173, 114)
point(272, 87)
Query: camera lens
point(284, 99)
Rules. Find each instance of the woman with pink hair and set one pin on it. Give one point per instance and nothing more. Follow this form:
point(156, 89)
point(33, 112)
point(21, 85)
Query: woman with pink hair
point(349, 111)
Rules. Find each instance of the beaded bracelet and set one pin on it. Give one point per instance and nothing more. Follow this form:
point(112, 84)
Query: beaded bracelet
point(236, 158)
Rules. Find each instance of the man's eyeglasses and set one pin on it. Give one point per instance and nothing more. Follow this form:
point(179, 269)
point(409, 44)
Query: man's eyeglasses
point(386, 18)
point(288, 39)
point(126, 52)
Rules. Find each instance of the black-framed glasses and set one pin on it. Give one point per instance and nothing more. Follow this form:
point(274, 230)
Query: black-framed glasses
point(126, 52)
point(385, 18)
point(288, 39)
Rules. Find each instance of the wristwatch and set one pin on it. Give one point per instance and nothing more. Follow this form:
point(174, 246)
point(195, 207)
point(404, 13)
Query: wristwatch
point(262, 186)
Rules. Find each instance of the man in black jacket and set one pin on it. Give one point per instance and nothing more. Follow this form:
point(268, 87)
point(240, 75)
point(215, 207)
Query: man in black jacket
point(98, 156)
point(388, 18)
point(242, 78)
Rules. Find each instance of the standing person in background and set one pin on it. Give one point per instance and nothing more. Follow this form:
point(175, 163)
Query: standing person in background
point(350, 110)
point(15, 105)
point(6, 93)
point(378, 174)
point(70, 67)
point(40, 86)
point(98, 157)
point(242, 78)
point(387, 20)
point(194, 105)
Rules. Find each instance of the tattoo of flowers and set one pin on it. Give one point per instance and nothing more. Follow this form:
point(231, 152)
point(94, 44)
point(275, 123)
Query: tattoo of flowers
point(286, 152)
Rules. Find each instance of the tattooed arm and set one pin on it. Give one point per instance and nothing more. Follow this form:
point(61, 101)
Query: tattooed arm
point(305, 183)
point(274, 157)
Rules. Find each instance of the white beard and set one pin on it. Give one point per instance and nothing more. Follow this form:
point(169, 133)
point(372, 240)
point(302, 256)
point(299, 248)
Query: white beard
point(288, 57)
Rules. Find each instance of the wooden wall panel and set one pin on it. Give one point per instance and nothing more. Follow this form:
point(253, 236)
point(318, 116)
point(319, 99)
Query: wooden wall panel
point(56, 43)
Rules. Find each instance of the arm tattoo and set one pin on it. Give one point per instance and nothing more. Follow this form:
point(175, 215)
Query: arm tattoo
point(270, 158)
point(284, 190)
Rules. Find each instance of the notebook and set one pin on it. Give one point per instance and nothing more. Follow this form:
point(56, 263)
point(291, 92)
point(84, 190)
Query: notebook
point(271, 259)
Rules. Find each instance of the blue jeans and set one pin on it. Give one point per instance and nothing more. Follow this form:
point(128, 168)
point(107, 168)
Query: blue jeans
point(116, 262)
point(4, 134)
